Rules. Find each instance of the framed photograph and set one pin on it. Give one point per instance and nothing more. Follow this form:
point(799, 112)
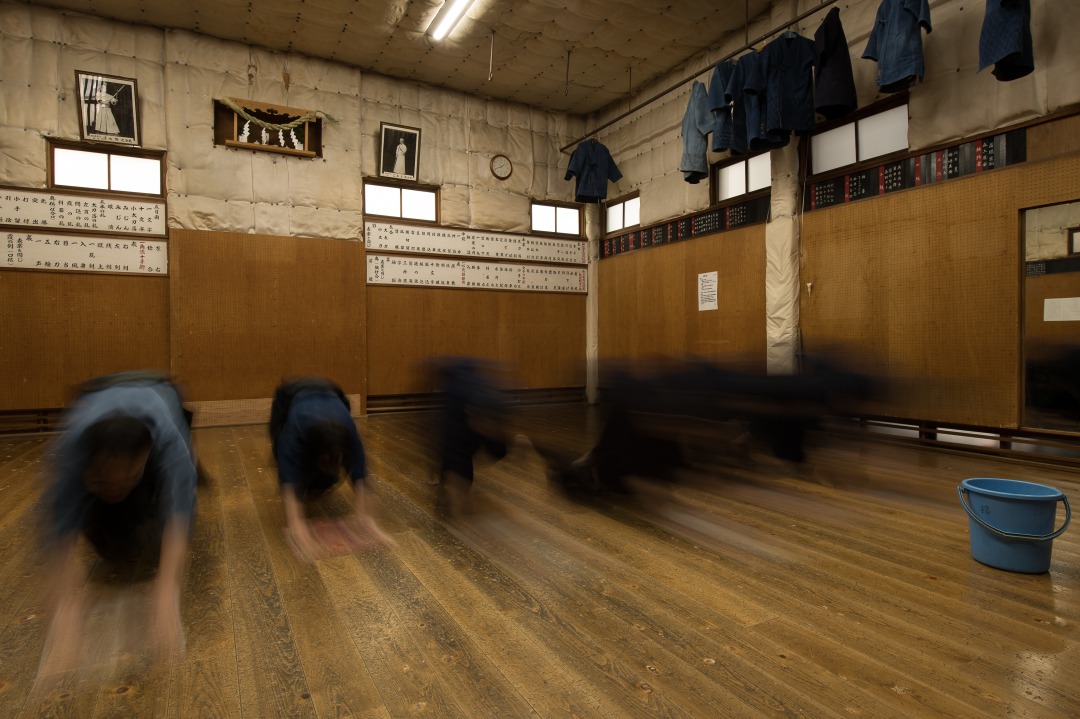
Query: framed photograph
point(108, 108)
point(399, 155)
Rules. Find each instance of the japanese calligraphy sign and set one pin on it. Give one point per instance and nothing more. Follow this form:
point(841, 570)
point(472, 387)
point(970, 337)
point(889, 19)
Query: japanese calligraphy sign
point(473, 243)
point(83, 253)
point(43, 209)
point(431, 272)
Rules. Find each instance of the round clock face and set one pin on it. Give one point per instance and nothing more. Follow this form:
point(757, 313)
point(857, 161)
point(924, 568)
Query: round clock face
point(501, 166)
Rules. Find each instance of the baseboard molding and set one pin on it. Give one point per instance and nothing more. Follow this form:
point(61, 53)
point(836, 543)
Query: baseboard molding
point(412, 402)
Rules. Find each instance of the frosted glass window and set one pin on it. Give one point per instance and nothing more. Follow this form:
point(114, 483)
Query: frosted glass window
point(883, 133)
point(567, 221)
point(135, 174)
point(562, 220)
point(732, 180)
point(615, 217)
point(759, 172)
point(543, 218)
point(633, 212)
point(623, 214)
point(418, 204)
point(76, 168)
point(833, 149)
point(382, 200)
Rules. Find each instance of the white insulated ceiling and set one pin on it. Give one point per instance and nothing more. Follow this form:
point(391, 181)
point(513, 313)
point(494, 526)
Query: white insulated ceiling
point(577, 56)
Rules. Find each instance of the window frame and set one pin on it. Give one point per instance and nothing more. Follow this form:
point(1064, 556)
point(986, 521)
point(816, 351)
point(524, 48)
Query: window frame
point(622, 200)
point(401, 185)
point(889, 103)
point(557, 204)
point(714, 180)
point(53, 143)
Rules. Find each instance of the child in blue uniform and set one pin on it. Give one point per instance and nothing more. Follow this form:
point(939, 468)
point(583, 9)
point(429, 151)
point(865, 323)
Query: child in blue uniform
point(314, 438)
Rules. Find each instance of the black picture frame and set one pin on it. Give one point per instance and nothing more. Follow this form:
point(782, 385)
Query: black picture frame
point(399, 152)
point(108, 108)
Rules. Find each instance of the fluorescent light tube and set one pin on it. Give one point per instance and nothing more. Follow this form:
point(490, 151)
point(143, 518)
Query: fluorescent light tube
point(448, 17)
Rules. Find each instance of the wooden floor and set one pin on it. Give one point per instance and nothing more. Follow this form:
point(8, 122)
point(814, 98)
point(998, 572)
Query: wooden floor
point(757, 594)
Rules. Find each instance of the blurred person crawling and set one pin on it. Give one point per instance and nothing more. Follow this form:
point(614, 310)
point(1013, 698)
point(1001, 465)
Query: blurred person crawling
point(654, 417)
point(473, 419)
point(124, 479)
point(314, 439)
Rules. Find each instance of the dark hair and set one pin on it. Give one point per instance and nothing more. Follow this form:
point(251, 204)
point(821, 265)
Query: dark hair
point(327, 438)
point(117, 434)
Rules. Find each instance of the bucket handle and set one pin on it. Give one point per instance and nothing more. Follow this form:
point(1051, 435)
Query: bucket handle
point(1016, 535)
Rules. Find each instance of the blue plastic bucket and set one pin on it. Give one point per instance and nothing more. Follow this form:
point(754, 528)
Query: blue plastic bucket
point(1011, 523)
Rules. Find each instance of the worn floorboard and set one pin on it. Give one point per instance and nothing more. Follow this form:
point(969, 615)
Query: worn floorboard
point(746, 590)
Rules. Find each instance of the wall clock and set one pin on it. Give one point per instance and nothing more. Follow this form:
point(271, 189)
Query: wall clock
point(501, 167)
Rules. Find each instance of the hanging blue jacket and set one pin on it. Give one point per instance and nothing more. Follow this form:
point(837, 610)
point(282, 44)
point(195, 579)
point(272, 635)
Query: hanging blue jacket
point(591, 163)
point(896, 43)
point(1005, 41)
point(736, 97)
point(834, 86)
point(696, 125)
point(757, 95)
point(720, 105)
point(789, 84)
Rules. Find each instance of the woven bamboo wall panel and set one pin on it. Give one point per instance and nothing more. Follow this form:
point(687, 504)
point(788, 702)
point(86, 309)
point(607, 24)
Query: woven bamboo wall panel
point(649, 303)
point(923, 286)
point(62, 328)
point(248, 310)
point(538, 337)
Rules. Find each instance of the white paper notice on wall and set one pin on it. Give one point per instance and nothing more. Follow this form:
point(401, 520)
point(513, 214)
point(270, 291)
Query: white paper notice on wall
point(1061, 309)
point(706, 291)
point(83, 253)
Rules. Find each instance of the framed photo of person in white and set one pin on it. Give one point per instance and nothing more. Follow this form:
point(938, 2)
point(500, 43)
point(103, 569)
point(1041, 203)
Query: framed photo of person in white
point(399, 153)
point(108, 108)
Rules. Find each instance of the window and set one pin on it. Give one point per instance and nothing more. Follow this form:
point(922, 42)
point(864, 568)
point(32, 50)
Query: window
point(623, 213)
point(557, 219)
point(834, 148)
point(881, 133)
point(109, 170)
point(743, 177)
point(404, 202)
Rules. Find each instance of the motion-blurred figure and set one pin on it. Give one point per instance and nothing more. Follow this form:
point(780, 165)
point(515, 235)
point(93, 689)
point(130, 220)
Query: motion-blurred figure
point(314, 438)
point(125, 479)
point(658, 416)
point(474, 417)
